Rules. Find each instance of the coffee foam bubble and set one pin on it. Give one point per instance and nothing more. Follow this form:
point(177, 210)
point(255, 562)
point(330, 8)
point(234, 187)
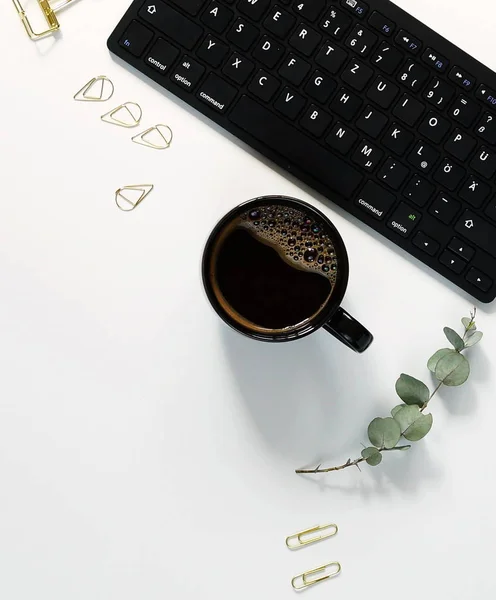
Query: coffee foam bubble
point(301, 240)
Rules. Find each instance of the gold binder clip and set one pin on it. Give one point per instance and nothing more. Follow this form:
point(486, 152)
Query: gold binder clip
point(123, 116)
point(158, 137)
point(48, 11)
point(297, 540)
point(128, 204)
point(304, 580)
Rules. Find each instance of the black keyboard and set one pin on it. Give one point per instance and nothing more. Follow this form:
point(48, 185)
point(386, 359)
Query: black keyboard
point(359, 100)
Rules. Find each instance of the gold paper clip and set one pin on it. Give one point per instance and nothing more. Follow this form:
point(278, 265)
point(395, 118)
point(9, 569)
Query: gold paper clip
point(48, 11)
point(126, 203)
point(300, 582)
point(295, 541)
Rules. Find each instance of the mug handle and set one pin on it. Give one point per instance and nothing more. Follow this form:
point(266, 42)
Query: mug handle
point(349, 331)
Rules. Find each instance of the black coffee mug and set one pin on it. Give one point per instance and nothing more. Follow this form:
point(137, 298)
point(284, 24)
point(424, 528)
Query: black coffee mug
point(330, 315)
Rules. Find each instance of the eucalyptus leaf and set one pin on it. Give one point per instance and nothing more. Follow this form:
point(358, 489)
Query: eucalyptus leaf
point(454, 338)
point(435, 358)
point(407, 416)
point(453, 369)
point(396, 409)
point(411, 390)
point(372, 456)
point(475, 338)
point(384, 433)
point(469, 324)
point(419, 428)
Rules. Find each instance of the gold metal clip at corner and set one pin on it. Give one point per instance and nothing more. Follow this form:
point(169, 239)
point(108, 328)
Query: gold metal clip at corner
point(297, 540)
point(302, 581)
point(48, 11)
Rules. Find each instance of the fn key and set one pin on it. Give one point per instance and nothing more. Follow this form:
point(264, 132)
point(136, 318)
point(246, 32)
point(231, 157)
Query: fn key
point(217, 93)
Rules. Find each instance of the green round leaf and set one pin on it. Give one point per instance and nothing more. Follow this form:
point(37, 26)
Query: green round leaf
point(372, 456)
point(411, 390)
point(453, 369)
point(384, 433)
point(407, 416)
point(396, 409)
point(475, 338)
point(469, 324)
point(454, 338)
point(433, 360)
point(419, 429)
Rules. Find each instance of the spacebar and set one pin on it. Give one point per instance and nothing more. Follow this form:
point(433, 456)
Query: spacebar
point(296, 147)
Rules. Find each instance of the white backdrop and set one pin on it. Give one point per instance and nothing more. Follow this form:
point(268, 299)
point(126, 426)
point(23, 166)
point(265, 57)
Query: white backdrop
point(148, 451)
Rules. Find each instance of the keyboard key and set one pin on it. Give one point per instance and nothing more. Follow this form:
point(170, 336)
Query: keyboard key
point(434, 127)
point(387, 58)
point(217, 16)
point(188, 73)
point(190, 6)
point(474, 192)
point(320, 86)
point(375, 200)
point(212, 51)
point(361, 40)
point(423, 157)
point(408, 110)
point(397, 139)
point(435, 60)
point(268, 52)
point(315, 120)
point(331, 57)
point(487, 95)
point(406, 41)
point(346, 104)
point(484, 162)
point(254, 10)
point(238, 68)
point(342, 138)
point(413, 76)
point(309, 9)
point(357, 7)
point(449, 174)
point(264, 85)
point(336, 23)
point(357, 75)
point(367, 155)
point(462, 78)
point(383, 92)
point(372, 122)
point(438, 93)
point(242, 34)
point(486, 129)
point(298, 148)
point(162, 55)
point(217, 93)
point(176, 26)
point(305, 40)
point(425, 243)
point(460, 145)
point(464, 111)
point(491, 210)
point(460, 248)
point(289, 103)
point(419, 190)
point(452, 261)
point(404, 220)
point(381, 23)
point(393, 173)
point(479, 279)
point(477, 231)
point(136, 38)
point(445, 209)
point(294, 69)
point(279, 22)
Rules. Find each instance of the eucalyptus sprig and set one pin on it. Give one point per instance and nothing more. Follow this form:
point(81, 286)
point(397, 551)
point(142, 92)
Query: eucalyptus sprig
point(408, 421)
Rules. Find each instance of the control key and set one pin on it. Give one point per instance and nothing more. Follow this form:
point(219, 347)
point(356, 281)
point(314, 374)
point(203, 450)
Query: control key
point(477, 231)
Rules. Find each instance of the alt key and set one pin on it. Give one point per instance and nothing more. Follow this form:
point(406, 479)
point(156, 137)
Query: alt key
point(404, 220)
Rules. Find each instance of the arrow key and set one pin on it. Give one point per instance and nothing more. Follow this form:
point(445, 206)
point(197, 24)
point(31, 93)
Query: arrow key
point(462, 249)
point(452, 261)
point(480, 280)
point(425, 243)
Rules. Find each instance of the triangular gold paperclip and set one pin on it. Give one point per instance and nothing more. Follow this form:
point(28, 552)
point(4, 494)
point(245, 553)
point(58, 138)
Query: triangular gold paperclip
point(111, 118)
point(144, 138)
point(127, 204)
point(102, 84)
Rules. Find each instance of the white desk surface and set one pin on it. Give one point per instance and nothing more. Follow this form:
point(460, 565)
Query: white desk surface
point(146, 450)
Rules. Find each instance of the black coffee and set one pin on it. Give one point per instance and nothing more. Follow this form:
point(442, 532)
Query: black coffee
point(273, 268)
